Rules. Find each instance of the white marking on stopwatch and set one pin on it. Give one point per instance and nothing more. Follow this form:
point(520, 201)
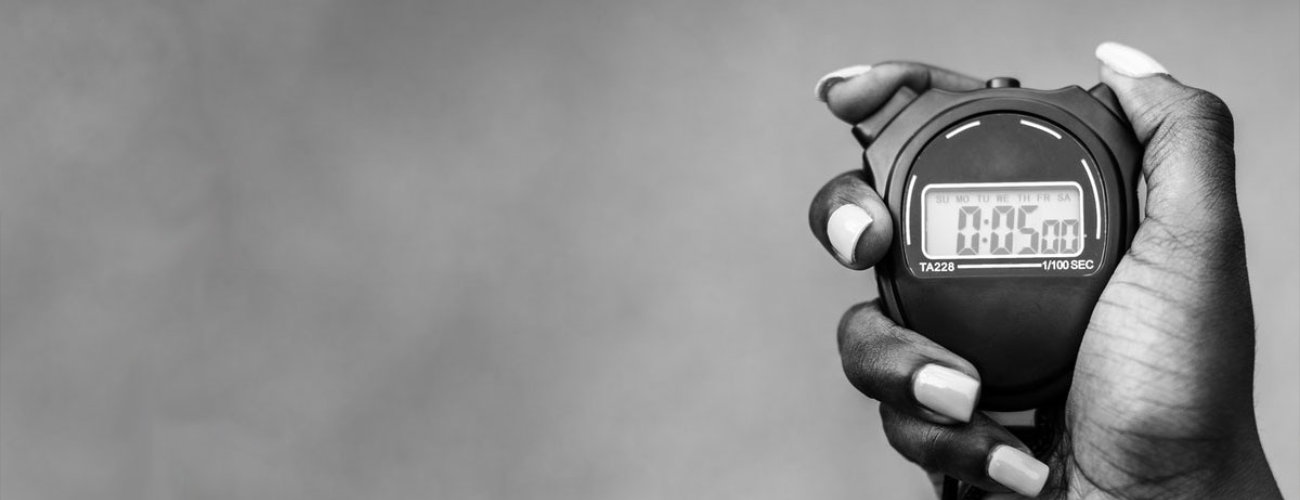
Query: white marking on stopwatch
point(907, 215)
point(1096, 200)
point(961, 129)
point(1028, 123)
point(999, 266)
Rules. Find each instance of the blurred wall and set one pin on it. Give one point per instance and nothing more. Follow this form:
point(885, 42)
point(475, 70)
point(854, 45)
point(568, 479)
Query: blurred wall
point(411, 249)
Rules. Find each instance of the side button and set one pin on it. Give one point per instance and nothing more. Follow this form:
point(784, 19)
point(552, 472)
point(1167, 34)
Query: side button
point(1002, 82)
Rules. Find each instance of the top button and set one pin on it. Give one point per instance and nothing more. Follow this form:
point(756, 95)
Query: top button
point(1002, 82)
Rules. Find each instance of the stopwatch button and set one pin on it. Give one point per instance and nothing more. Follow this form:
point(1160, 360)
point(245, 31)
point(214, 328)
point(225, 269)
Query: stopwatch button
point(1002, 82)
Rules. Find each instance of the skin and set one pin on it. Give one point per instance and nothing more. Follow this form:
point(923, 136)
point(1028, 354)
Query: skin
point(1161, 404)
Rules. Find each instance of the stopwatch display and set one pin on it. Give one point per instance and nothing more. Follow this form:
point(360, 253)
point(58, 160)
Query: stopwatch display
point(1000, 220)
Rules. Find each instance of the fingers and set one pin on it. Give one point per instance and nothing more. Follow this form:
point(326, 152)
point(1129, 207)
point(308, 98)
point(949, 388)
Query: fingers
point(1192, 240)
point(1188, 135)
point(905, 370)
point(854, 93)
point(923, 389)
point(981, 453)
point(851, 222)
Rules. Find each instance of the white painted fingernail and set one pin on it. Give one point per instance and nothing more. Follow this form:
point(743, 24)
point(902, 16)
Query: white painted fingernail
point(946, 391)
point(844, 228)
point(1017, 470)
point(824, 85)
point(1128, 61)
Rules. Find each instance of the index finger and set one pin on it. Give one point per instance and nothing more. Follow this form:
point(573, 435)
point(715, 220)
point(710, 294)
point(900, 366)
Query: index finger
point(854, 96)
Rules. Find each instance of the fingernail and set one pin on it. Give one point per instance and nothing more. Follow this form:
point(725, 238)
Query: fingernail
point(946, 391)
point(1017, 470)
point(844, 228)
point(1128, 61)
point(824, 85)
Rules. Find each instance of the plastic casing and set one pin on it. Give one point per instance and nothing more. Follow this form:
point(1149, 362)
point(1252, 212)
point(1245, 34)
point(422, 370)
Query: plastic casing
point(1021, 330)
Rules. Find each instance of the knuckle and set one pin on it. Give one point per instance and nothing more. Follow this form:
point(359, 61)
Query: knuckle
point(1205, 105)
point(933, 441)
point(902, 434)
point(933, 447)
point(830, 191)
point(850, 325)
point(1193, 139)
point(1195, 116)
point(817, 209)
point(852, 349)
point(894, 432)
point(861, 348)
point(849, 188)
point(921, 444)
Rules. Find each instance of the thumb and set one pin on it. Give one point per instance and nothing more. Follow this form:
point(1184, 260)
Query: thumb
point(1190, 249)
point(1180, 297)
point(1187, 134)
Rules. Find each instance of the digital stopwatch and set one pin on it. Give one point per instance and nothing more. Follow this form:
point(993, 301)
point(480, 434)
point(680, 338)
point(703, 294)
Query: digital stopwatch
point(1011, 209)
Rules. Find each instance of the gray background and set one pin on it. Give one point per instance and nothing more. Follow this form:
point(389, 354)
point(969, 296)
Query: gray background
point(385, 249)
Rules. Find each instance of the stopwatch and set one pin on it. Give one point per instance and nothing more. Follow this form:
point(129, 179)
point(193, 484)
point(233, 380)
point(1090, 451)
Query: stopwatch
point(1011, 209)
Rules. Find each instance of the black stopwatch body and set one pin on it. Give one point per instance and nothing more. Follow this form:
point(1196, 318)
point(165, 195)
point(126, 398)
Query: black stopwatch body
point(1011, 209)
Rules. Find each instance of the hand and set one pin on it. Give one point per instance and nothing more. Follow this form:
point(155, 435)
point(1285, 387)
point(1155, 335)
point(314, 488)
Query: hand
point(1161, 403)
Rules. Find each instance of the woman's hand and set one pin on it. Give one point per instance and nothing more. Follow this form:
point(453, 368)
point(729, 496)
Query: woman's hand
point(1161, 404)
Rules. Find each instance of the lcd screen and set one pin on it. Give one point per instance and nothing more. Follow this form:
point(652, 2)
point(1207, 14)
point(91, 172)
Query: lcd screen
point(1002, 220)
